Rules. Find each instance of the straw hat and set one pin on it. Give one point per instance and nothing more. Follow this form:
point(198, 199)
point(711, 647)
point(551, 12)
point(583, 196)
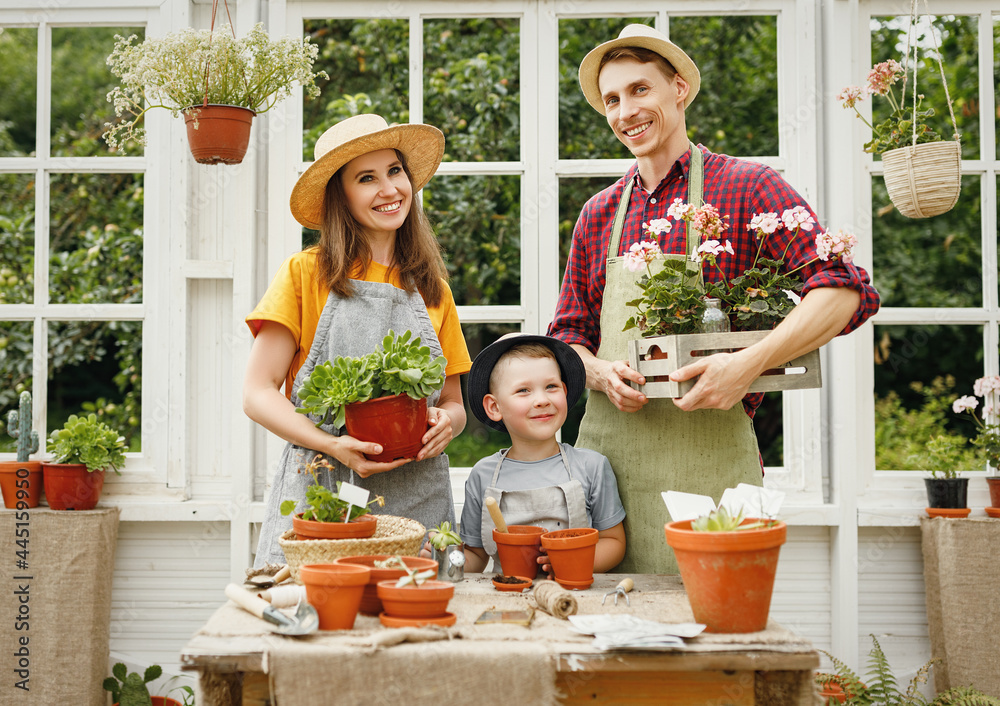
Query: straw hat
point(422, 145)
point(570, 365)
point(645, 38)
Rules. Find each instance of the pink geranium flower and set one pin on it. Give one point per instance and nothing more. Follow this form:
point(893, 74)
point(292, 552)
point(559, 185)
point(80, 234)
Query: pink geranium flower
point(640, 254)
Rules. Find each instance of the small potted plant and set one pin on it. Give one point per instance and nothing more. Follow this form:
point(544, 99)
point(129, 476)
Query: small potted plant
point(82, 451)
point(328, 516)
point(380, 397)
point(947, 493)
point(416, 599)
point(988, 435)
point(129, 689)
point(922, 171)
point(21, 480)
point(384, 567)
point(844, 686)
point(335, 591)
point(727, 563)
point(446, 550)
point(218, 82)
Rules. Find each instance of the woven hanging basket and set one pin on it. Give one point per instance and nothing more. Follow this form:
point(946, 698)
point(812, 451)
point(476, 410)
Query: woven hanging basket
point(393, 535)
point(924, 180)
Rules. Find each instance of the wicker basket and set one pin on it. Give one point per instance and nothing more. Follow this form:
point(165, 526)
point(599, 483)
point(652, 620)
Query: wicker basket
point(924, 180)
point(393, 535)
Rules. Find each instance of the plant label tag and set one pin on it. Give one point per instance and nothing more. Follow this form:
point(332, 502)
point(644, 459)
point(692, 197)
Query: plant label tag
point(687, 506)
point(353, 495)
point(753, 500)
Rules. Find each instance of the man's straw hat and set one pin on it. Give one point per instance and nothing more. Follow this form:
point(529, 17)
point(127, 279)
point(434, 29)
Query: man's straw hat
point(646, 38)
point(422, 145)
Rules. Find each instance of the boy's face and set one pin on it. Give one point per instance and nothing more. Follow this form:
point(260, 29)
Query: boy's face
point(529, 398)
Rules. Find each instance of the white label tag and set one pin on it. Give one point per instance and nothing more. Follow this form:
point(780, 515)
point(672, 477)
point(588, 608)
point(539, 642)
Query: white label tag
point(353, 495)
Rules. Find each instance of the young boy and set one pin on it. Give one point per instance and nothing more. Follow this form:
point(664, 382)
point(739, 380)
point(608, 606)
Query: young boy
point(524, 385)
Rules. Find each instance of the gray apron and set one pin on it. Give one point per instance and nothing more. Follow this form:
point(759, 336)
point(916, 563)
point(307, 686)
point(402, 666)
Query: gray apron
point(660, 447)
point(555, 507)
point(355, 326)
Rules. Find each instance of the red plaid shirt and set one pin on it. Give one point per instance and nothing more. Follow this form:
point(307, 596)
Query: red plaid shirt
point(737, 188)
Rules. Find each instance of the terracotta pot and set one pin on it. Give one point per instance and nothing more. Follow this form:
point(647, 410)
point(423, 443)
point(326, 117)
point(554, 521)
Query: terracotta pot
point(21, 482)
point(832, 693)
point(524, 582)
point(947, 492)
point(571, 554)
point(426, 600)
point(994, 484)
point(398, 422)
point(68, 486)
point(335, 591)
point(518, 549)
point(728, 576)
point(222, 133)
point(370, 602)
point(358, 528)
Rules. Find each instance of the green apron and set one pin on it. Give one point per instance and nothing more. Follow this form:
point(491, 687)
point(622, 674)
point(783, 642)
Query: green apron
point(660, 447)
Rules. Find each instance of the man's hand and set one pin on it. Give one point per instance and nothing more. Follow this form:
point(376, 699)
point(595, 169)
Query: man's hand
point(725, 378)
point(612, 378)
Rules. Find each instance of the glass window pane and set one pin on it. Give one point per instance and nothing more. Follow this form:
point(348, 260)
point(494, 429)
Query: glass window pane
point(477, 441)
point(478, 223)
point(472, 87)
point(19, 59)
point(368, 65)
point(958, 39)
point(928, 261)
point(919, 372)
point(573, 194)
point(96, 238)
point(96, 366)
point(81, 80)
point(15, 370)
point(736, 111)
point(17, 238)
point(583, 132)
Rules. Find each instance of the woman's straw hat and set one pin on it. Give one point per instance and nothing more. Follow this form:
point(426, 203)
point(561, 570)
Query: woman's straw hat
point(645, 38)
point(422, 145)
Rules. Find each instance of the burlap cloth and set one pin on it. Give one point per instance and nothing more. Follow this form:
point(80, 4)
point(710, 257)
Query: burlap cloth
point(459, 664)
point(70, 562)
point(962, 576)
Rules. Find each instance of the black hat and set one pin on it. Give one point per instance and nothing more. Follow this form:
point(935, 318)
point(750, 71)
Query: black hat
point(570, 365)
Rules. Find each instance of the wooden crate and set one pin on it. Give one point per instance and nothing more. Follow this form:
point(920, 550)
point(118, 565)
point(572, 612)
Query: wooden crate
point(673, 352)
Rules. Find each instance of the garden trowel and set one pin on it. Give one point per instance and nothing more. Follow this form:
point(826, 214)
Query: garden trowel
point(304, 622)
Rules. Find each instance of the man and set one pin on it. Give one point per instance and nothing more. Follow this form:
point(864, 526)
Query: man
point(704, 441)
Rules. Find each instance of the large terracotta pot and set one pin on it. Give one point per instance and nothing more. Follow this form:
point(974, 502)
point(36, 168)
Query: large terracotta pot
point(426, 600)
point(370, 602)
point(398, 422)
point(571, 554)
point(519, 548)
point(728, 576)
point(358, 528)
point(994, 484)
point(335, 591)
point(21, 482)
point(69, 486)
point(218, 134)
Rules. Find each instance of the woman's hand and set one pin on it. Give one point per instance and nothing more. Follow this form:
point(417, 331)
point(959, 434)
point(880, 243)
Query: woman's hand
point(438, 436)
point(351, 452)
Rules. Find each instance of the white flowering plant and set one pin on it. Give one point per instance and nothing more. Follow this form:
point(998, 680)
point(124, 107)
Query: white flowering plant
point(897, 130)
point(184, 69)
point(988, 435)
point(757, 299)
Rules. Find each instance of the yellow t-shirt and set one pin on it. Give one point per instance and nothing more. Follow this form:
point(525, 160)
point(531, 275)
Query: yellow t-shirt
point(295, 299)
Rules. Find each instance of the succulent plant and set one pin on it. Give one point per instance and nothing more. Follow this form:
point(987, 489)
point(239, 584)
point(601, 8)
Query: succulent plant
point(87, 441)
point(129, 689)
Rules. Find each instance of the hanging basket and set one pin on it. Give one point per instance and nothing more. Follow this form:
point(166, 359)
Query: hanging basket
point(924, 180)
point(218, 134)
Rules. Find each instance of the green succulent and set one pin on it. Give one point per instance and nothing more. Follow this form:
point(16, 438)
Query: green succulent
point(444, 536)
point(407, 367)
point(89, 442)
point(129, 689)
point(722, 520)
point(332, 385)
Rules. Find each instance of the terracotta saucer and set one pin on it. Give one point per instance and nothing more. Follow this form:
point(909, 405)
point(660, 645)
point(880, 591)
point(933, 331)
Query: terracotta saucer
point(391, 621)
point(525, 583)
point(993, 511)
point(948, 511)
point(574, 585)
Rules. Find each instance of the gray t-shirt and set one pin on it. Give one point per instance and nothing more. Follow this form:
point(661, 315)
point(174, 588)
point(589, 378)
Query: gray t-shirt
point(593, 470)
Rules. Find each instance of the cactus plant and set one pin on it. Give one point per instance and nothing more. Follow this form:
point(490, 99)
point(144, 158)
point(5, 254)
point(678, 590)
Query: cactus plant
point(19, 427)
point(129, 689)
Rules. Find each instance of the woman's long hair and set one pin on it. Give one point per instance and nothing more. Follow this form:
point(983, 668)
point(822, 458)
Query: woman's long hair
point(343, 246)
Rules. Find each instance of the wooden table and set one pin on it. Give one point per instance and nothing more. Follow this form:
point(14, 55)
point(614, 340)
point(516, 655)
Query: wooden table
point(237, 662)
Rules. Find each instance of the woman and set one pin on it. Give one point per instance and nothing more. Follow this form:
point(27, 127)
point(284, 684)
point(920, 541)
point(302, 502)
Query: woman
point(376, 267)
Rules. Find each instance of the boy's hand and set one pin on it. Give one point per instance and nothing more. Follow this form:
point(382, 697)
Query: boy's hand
point(543, 560)
point(425, 551)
